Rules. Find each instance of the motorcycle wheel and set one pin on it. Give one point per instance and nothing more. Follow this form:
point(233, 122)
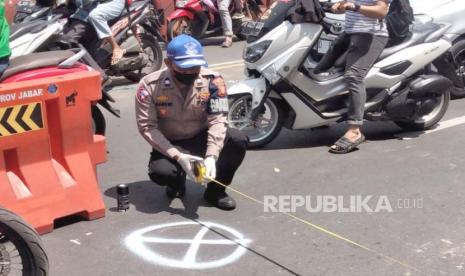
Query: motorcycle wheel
point(18, 240)
point(430, 120)
point(261, 131)
point(179, 26)
point(152, 49)
point(99, 124)
point(458, 54)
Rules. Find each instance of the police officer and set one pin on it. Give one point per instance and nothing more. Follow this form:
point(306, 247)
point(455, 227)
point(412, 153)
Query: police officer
point(182, 112)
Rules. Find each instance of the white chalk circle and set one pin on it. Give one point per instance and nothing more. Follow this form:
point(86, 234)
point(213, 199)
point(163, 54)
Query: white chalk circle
point(138, 243)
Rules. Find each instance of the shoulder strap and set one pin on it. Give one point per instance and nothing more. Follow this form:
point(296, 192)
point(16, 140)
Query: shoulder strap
point(154, 77)
point(209, 73)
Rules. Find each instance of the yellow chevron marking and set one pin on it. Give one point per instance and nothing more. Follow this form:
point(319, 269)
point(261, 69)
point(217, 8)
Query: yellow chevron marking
point(27, 116)
point(32, 123)
point(3, 130)
point(12, 119)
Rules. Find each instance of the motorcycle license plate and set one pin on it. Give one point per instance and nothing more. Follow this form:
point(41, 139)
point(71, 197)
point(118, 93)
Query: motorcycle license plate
point(323, 46)
point(252, 28)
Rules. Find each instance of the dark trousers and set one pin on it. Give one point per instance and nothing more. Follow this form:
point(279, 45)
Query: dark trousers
point(166, 171)
point(4, 63)
point(76, 32)
point(363, 49)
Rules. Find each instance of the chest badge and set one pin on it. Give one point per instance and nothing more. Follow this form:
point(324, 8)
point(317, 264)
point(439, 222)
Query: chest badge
point(162, 112)
point(162, 98)
point(203, 96)
point(167, 83)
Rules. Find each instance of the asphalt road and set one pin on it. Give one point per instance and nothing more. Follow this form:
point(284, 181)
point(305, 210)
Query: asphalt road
point(422, 171)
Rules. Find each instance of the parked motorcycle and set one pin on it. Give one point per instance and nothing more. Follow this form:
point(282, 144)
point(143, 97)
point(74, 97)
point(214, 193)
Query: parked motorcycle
point(21, 249)
point(448, 11)
point(281, 88)
point(200, 18)
point(26, 10)
point(137, 33)
point(453, 65)
point(134, 33)
point(35, 35)
point(55, 63)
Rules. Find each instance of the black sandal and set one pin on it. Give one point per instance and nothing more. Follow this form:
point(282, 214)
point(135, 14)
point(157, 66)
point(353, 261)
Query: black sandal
point(344, 145)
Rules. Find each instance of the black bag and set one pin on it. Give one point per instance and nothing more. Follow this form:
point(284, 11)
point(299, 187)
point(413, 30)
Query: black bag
point(306, 11)
point(398, 21)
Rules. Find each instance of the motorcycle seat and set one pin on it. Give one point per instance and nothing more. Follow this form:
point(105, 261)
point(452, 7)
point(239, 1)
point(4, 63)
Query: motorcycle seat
point(420, 32)
point(35, 61)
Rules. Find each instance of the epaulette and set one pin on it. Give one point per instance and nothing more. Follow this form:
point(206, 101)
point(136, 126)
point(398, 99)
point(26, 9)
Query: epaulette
point(153, 77)
point(210, 73)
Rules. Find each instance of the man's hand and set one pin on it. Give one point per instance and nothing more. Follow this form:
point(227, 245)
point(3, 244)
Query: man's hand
point(185, 161)
point(347, 6)
point(210, 166)
point(335, 7)
point(342, 7)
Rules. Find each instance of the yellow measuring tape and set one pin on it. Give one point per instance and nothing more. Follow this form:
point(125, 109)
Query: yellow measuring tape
point(200, 177)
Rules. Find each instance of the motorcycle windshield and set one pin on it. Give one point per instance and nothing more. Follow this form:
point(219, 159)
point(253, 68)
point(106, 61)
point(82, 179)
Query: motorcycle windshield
point(272, 18)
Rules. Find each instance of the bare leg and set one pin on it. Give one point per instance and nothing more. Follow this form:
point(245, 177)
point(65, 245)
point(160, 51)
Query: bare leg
point(117, 51)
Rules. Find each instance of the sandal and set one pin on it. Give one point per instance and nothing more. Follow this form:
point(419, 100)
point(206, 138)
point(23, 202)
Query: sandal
point(344, 145)
point(116, 59)
point(227, 42)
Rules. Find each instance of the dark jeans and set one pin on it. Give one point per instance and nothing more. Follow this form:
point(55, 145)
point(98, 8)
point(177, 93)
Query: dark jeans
point(4, 63)
point(166, 171)
point(76, 32)
point(363, 51)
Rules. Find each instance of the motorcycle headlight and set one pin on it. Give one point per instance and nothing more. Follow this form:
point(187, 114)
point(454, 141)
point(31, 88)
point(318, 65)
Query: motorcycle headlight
point(255, 52)
point(181, 3)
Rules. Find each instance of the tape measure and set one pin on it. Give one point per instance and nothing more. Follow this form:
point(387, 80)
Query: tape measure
point(199, 171)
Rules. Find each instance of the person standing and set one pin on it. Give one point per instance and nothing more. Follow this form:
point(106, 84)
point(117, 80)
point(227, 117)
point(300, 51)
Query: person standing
point(226, 22)
point(366, 36)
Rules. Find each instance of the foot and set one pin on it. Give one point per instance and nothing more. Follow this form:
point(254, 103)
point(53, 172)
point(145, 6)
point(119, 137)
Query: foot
point(238, 15)
point(348, 142)
point(117, 55)
point(176, 191)
point(219, 199)
point(227, 43)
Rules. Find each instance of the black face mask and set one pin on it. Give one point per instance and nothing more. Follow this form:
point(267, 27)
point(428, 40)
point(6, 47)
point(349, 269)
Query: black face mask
point(186, 79)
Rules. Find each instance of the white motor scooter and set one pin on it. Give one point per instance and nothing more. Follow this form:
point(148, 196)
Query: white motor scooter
point(281, 89)
point(35, 36)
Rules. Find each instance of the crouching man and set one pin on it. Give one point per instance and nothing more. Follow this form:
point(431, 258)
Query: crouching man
point(182, 113)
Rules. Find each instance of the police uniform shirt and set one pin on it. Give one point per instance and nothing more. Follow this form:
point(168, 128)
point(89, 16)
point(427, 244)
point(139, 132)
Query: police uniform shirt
point(168, 111)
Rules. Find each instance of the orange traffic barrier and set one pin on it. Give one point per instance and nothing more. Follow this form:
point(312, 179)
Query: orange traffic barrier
point(48, 153)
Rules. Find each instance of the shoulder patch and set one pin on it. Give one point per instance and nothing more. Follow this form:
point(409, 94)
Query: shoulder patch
point(142, 94)
point(218, 101)
point(218, 87)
